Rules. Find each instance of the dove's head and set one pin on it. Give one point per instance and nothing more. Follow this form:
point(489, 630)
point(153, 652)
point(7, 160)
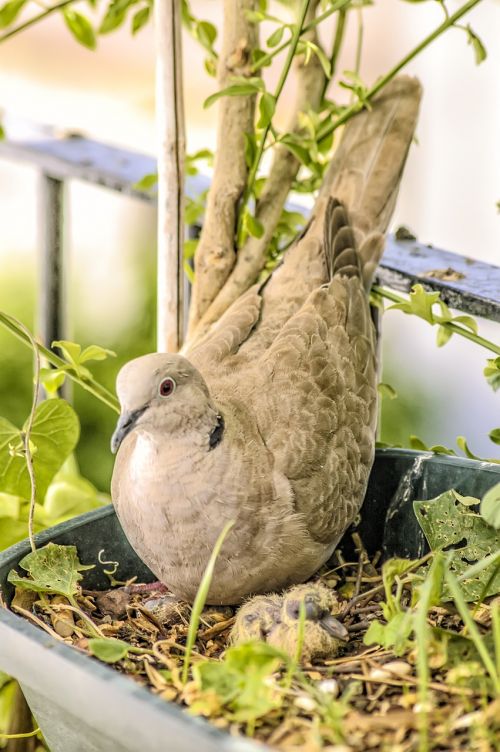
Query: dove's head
point(323, 633)
point(163, 392)
point(256, 618)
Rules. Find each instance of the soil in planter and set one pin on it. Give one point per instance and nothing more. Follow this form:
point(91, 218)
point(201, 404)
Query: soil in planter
point(384, 691)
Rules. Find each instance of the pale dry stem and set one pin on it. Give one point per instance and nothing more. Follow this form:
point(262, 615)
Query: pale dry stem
point(251, 258)
point(215, 255)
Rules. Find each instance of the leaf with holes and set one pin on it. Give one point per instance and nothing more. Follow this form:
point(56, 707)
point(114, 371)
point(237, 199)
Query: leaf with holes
point(54, 435)
point(449, 524)
point(52, 569)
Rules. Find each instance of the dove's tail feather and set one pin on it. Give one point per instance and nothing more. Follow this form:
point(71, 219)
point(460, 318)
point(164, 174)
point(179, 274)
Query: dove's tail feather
point(363, 179)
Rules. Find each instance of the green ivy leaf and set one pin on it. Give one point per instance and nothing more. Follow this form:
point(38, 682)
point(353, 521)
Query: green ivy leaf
point(80, 27)
point(450, 525)
point(10, 11)
point(108, 649)
point(490, 507)
point(140, 19)
point(52, 569)
point(54, 435)
point(250, 149)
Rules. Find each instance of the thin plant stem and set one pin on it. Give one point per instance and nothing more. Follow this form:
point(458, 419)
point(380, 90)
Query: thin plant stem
point(455, 328)
point(279, 88)
point(337, 45)
point(35, 19)
point(90, 385)
point(359, 42)
point(27, 433)
point(201, 598)
point(21, 736)
point(329, 127)
point(266, 59)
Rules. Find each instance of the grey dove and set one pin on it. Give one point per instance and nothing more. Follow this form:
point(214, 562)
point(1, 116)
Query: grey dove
point(269, 418)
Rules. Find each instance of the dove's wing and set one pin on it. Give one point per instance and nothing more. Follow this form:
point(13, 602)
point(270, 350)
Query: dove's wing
point(228, 334)
point(318, 403)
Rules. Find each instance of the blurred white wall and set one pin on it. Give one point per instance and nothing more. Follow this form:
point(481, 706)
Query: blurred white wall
point(448, 196)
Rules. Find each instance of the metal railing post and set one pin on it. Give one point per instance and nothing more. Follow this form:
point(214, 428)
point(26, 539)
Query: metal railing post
point(51, 314)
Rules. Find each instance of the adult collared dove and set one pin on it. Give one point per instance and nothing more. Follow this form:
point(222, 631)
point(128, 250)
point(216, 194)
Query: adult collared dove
point(269, 419)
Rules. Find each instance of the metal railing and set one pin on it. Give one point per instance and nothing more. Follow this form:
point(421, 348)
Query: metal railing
point(474, 287)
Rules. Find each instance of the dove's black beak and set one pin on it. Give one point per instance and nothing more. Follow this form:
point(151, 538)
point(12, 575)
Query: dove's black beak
point(126, 422)
point(334, 628)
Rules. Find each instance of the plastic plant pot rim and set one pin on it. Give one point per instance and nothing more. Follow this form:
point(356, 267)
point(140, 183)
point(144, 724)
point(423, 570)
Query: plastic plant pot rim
point(110, 700)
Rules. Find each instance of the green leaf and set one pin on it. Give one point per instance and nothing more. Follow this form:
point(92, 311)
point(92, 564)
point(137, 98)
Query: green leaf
point(140, 19)
point(70, 350)
point(466, 321)
point(250, 149)
point(450, 525)
point(267, 107)
point(10, 11)
point(146, 182)
point(253, 225)
point(54, 435)
point(443, 335)
point(80, 27)
point(289, 141)
point(480, 53)
point(420, 304)
point(52, 379)
point(242, 681)
point(386, 390)
point(243, 87)
point(393, 635)
point(95, 352)
point(108, 649)
point(206, 33)
point(52, 569)
point(495, 435)
point(490, 507)
point(276, 37)
point(115, 15)
point(492, 373)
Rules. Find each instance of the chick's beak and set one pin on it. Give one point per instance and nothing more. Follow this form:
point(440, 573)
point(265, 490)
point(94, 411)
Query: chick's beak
point(126, 422)
point(334, 628)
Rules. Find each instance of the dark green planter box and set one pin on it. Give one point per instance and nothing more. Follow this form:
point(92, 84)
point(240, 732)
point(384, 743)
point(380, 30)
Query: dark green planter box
point(82, 705)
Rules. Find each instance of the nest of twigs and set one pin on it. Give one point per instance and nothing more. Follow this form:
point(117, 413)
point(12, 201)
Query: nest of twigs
point(368, 697)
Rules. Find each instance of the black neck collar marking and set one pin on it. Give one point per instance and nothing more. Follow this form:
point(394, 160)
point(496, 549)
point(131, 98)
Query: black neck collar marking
point(215, 437)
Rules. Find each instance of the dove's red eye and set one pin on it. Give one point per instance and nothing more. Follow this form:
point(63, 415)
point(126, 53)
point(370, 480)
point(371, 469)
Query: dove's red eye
point(167, 387)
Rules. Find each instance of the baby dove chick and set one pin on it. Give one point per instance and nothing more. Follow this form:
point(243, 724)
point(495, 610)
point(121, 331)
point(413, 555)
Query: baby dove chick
point(276, 620)
point(256, 618)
